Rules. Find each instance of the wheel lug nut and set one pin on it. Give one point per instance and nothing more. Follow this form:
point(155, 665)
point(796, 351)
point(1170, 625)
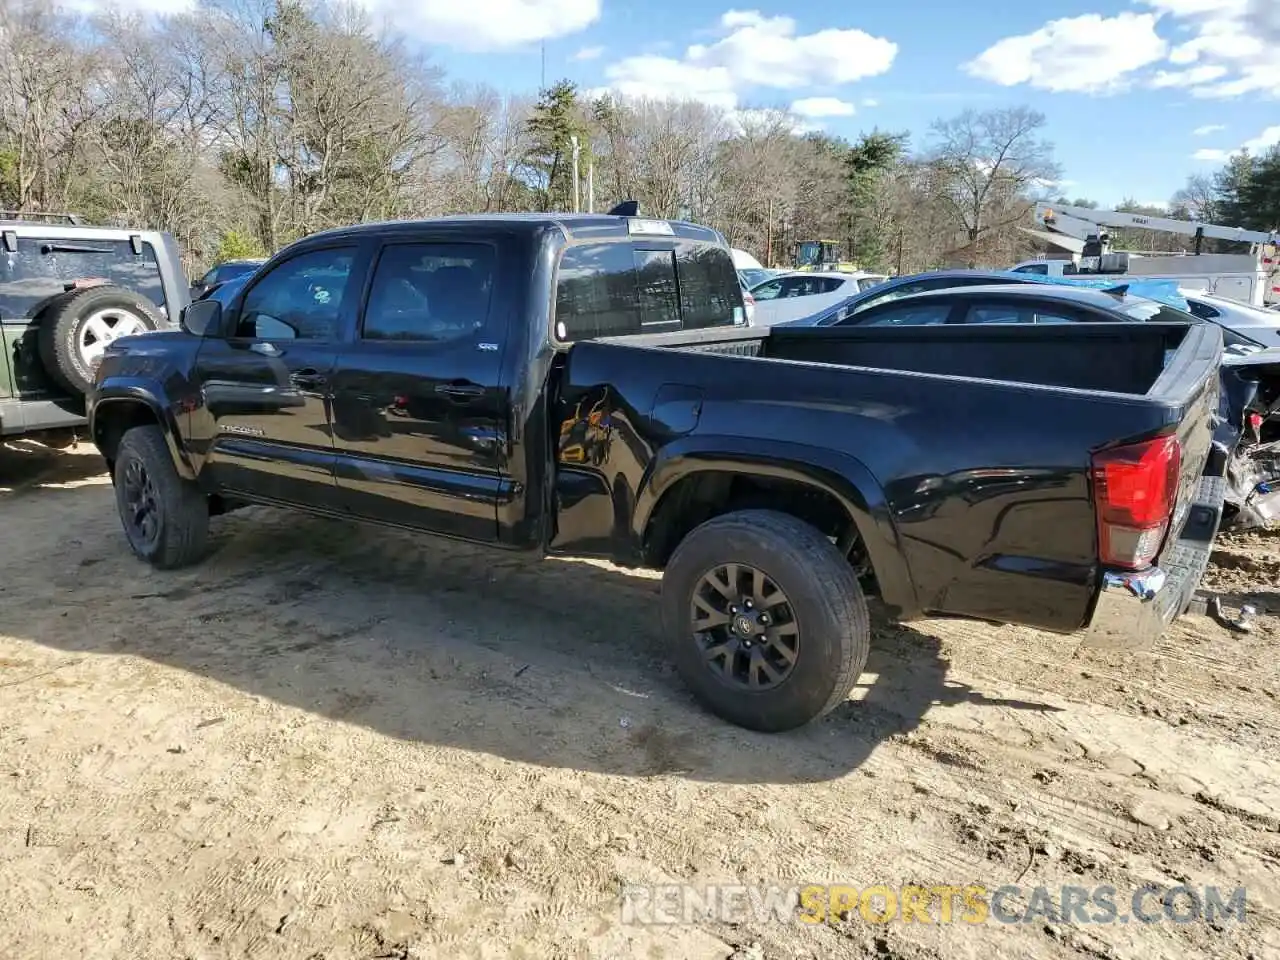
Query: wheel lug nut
point(747, 604)
point(733, 608)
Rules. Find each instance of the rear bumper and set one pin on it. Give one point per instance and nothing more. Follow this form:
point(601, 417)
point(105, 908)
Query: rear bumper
point(1134, 608)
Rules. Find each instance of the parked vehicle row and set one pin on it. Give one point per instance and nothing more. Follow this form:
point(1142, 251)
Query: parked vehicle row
point(1247, 325)
point(587, 385)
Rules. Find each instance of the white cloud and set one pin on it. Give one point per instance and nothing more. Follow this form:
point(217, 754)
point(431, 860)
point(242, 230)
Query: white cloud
point(665, 79)
point(814, 107)
point(1088, 54)
point(1188, 78)
point(589, 53)
point(1232, 43)
point(1263, 142)
point(1212, 49)
point(754, 51)
point(488, 25)
point(870, 102)
point(1207, 129)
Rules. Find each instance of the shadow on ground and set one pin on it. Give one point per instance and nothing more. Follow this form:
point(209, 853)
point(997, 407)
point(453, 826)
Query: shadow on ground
point(26, 466)
point(552, 662)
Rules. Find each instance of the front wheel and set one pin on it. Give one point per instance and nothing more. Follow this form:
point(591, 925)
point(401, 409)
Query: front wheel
point(165, 518)
point(768, 622)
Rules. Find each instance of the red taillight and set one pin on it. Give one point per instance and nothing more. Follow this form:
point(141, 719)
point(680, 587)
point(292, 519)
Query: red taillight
point(1135, 488)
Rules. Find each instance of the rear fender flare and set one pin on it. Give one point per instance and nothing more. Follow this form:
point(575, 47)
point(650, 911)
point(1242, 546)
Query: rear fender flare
point(116, 394)
point(834, 473)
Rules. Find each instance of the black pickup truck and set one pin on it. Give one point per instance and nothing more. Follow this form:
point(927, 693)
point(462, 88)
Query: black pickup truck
point(588, 385)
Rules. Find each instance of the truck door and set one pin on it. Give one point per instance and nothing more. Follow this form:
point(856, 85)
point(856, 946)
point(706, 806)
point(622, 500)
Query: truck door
point(420, 418)
point(265, 423)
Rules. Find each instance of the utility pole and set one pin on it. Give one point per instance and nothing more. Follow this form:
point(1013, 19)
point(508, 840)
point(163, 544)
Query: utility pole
point(544, 67)
point(768, 232)
point(573, 141)
point(591, 187)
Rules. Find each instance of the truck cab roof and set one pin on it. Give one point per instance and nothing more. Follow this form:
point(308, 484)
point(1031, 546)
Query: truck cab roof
point(575, 226)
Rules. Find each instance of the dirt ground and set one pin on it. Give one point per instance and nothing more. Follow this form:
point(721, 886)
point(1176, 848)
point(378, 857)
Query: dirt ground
point(333, 742)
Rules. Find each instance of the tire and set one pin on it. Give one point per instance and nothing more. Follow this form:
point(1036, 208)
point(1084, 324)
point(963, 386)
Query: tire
point(825, 612)
point(145, 478)
point(77, 321)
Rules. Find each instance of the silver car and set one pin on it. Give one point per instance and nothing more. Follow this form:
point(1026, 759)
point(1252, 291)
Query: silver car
point(802, 293)
point(1255, 323)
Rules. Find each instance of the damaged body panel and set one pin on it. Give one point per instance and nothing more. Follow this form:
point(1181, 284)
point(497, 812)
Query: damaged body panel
point(1251, 396)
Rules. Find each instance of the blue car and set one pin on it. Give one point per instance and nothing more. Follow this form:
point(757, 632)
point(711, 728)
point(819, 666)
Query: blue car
point(224, 291)
point(1162, 291)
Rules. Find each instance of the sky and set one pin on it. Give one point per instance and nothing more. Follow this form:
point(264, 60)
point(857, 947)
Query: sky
point(1138, 94)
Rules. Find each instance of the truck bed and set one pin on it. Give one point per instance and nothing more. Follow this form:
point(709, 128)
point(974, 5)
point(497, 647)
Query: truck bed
point(974, 444)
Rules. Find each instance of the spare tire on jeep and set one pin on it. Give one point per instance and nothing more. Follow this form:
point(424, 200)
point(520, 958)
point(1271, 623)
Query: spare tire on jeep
point(76, 328)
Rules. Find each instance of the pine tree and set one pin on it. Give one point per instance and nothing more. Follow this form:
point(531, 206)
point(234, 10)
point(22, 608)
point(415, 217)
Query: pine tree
point(556, 119)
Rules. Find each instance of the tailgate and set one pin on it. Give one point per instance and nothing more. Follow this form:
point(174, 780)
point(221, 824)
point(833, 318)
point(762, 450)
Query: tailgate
point(1136, 601)
point(1191, 384)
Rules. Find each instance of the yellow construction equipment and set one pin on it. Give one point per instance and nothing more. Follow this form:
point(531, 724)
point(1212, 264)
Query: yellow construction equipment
point(820, 255)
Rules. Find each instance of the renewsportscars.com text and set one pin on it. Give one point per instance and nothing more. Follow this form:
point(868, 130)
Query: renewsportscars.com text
point(939, 903)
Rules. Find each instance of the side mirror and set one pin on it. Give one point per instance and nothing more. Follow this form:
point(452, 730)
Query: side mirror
point(203, 318)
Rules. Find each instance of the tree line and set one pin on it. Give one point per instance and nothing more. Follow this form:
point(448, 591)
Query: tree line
point(242, 127)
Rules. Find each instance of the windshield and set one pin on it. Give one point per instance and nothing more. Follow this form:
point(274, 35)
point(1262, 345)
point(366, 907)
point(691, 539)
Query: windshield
point(809, 253)
point(229, 271)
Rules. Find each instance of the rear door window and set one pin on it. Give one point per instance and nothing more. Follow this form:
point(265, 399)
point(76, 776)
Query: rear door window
point(40, 269)
point(429, 292)
point(1023, 312)
point(904, 315)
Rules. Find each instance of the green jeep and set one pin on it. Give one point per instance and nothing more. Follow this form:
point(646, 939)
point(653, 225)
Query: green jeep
point(67, 289)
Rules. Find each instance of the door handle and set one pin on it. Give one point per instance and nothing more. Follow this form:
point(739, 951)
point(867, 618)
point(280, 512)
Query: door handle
point(460, 390)
point(308, 378)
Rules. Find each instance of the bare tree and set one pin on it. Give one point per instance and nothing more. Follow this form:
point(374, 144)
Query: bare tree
point(48, 82)
point(1197, 200)
point(990, 166)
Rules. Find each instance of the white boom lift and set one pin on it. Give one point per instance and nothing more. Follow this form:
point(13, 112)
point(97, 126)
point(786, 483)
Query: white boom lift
point(1252, 278)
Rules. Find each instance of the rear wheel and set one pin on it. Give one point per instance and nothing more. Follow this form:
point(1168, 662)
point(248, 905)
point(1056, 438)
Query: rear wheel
point(165, 518)
point(769, 625)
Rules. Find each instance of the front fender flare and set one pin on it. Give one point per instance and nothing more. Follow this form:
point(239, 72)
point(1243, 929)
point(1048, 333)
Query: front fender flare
point(835, 473)
point(114, 393)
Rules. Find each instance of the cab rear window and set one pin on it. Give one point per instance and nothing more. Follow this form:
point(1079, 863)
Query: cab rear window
point(627, 287)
